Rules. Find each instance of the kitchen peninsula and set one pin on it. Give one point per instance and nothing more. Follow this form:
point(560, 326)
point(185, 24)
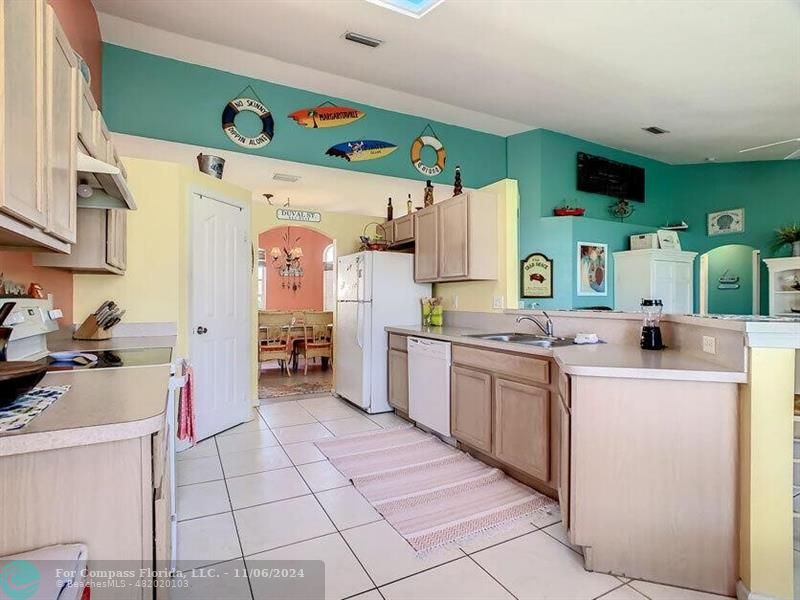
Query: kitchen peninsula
point(93, 467)
point(648, 453)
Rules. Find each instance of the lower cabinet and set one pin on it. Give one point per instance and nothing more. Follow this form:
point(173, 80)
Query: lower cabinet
point(471, 408)
point(398, 379)
point(522, 426)
point(564, 466)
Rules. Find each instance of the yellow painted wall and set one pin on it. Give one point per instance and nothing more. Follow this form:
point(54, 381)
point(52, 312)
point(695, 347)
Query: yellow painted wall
point(479, 295)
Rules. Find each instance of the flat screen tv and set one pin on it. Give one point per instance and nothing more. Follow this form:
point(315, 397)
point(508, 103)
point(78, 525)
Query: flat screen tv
point(598, 175)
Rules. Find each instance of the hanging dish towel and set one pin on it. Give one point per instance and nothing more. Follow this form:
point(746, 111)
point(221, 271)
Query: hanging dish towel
point(186, 407)
point(28, 406)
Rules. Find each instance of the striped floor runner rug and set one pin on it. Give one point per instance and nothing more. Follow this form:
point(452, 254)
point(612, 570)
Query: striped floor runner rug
point(431, 493)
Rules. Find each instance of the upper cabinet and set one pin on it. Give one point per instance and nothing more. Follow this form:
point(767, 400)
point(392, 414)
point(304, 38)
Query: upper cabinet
point(456, 240)
point(47, 111)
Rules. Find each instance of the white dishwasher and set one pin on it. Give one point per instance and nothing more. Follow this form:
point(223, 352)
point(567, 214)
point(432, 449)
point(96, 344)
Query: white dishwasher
point(429, 383)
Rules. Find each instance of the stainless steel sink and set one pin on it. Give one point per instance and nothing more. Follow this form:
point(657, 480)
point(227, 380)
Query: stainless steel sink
point(524, 338)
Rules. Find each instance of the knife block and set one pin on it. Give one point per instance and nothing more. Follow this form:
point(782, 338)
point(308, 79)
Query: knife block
point(90, 330)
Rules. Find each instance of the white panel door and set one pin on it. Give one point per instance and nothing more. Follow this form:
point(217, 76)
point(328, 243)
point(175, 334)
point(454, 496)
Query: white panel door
point(220, 315)
point(353, 351)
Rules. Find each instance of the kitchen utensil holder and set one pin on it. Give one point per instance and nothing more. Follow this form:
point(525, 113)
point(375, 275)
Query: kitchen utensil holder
point(90, 330)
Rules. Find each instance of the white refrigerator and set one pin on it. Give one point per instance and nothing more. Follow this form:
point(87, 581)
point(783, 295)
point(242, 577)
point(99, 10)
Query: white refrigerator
point(374, 290)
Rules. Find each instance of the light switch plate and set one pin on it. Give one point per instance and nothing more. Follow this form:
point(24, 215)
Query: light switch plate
point(709, 344)
point(498, 302)
point(454, 302)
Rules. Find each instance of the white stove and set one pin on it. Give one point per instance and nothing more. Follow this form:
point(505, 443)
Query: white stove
point(31, 320)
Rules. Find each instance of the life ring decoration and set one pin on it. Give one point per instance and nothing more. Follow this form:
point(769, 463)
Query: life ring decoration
point(433, 141)
point(253, 105)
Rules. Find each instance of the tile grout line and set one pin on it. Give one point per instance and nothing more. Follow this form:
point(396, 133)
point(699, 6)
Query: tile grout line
point(544, 530)
point(481, 567)
point(235, 523)
point(614, 589)
point(339, 533)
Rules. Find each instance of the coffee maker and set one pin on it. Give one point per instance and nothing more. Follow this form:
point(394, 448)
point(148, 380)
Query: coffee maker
point(651, 324)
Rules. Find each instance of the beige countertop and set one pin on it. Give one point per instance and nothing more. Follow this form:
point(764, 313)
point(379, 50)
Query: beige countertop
point(102, 405)
point(599, 360)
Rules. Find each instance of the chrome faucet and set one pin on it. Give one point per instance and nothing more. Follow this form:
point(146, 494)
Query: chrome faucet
point(547, 328)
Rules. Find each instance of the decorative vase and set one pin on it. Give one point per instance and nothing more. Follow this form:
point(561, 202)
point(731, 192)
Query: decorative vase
point(796, 248)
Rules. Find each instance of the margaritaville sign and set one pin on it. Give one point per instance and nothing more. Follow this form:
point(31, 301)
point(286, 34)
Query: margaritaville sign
point(305, 216)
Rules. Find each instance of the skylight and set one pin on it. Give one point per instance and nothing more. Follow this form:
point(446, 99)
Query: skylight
point(410, 8)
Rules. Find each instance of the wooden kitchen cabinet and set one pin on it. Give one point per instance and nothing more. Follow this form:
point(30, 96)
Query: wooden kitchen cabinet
point(426, 250)
point(61, 80)
point(398, 379)
point(522, 426)
point(564, 466)
point(456, 240)
point(88, 133)
point(403, 229)
point(471, 408)
point(101, 246)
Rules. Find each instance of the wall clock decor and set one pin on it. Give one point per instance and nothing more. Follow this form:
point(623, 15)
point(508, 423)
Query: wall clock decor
point(536, 276)
point(428, 138)
point(726, 221)
point(361, 150)
point(592, 269)
point(326, 114)
point(254, 105)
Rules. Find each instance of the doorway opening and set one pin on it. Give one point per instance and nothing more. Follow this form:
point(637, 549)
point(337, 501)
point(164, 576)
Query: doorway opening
point(296, 296)
point(730, 280)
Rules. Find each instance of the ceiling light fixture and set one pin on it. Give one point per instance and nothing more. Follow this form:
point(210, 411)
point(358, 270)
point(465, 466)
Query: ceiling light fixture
point(655, 130)
point(410, 8)
point(362, 39)
point(286, 177)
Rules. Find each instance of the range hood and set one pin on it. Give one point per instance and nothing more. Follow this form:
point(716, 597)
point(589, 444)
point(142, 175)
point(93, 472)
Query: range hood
point(108, 187)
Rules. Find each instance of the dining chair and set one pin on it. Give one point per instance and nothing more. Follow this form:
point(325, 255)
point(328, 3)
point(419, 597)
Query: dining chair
point(317, 339)
point(274, 338)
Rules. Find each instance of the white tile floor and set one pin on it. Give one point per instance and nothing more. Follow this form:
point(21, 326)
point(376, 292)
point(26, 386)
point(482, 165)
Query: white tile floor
point(263, 491)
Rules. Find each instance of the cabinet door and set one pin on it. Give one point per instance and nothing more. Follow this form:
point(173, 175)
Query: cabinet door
point(564, 462)
point(21, 44)
point(453, 238)
point(87, 122)
point(398, 380)
point(426, 266)
point(116, 238)
point(61, 81)
point(471, 408)
point(522, 427)
point(404, 229)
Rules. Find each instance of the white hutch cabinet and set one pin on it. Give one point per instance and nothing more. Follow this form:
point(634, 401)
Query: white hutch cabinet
point(656, 273)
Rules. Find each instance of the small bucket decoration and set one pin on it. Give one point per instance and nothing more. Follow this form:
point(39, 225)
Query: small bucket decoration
point(211, 165)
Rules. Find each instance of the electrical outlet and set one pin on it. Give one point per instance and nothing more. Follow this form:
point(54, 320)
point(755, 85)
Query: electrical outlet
point(499, 302)
point(454, 302)
point(709, 344)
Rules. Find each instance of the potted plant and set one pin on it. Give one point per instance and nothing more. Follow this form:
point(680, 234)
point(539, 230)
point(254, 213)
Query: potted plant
point(789, 234)
point(568, 211)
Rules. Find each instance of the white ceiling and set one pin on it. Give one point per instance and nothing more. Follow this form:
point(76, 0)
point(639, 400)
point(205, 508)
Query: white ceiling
point(320, 188)
point(721, 75)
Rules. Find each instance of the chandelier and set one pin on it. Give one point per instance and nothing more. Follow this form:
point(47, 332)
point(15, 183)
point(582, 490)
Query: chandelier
point(287, 261)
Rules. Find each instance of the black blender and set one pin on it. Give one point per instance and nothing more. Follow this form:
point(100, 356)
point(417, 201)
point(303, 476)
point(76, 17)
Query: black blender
point(651, 324)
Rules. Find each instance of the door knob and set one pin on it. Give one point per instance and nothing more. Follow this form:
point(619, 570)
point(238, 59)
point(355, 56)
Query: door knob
point(201, 330)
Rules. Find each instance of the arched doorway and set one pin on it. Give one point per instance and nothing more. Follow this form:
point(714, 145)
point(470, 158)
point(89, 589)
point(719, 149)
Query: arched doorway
point(295, 295)
point(730, 280)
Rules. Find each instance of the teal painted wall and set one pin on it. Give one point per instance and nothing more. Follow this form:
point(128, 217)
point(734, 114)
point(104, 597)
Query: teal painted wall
point(162, 98)
point(726, 261)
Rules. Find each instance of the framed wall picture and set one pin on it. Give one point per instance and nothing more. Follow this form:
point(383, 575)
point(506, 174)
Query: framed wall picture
point(668, 239)
point(536, 276)
point(726, 221)
point(592, 269)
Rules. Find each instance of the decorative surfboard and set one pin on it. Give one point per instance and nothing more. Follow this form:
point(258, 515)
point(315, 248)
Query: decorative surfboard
point(326, 114)
point(361, 150)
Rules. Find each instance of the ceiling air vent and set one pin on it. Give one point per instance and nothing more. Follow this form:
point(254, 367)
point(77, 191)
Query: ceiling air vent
point(364, 40)
point(285, 177)
point(654, 130)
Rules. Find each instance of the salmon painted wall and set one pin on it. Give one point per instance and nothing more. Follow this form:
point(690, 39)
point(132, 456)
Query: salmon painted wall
point(310, 295)
point(79, 20)
point(18, 267)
